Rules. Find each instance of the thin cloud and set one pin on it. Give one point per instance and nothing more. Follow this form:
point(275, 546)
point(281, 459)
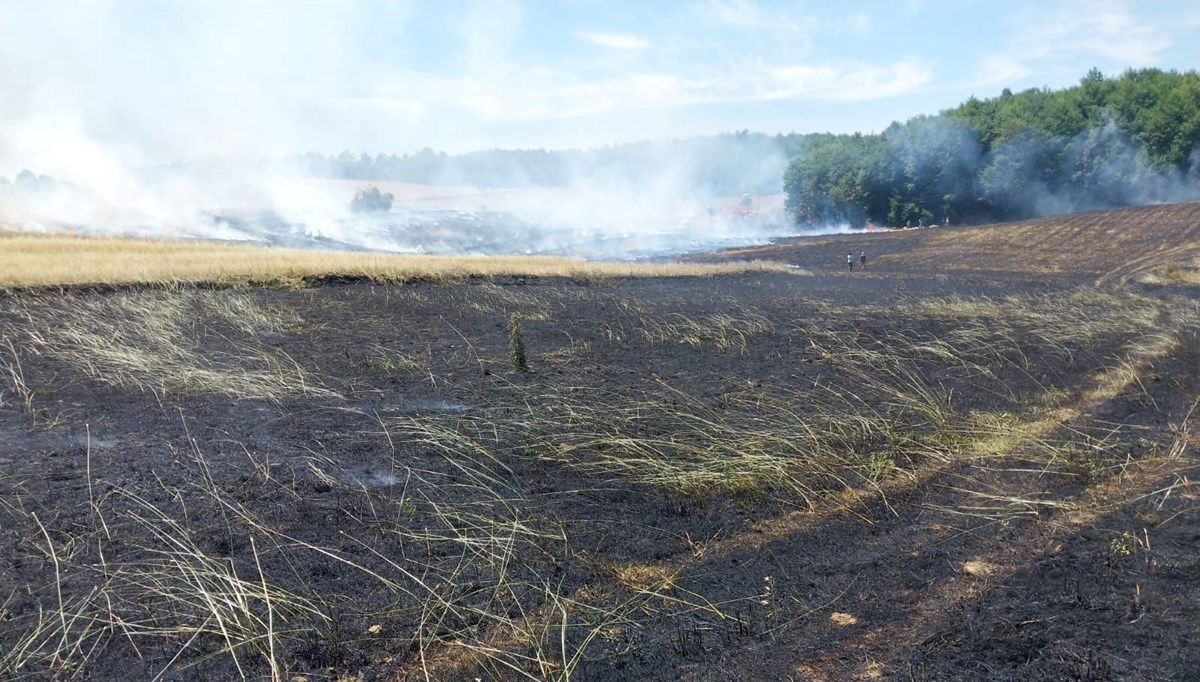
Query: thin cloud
point(789, 30)
point(1056, 37)
point(616, 41)
point(273, 77)
point(739, 13)
point(1001, 70)
point(837, 82)
point(534, 94)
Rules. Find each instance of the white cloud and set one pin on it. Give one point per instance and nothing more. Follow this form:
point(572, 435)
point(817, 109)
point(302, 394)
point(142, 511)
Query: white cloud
point(1110, 31)
point(526, 95)
point(1053, 37)
point(1001, 70)
point(786, 30)
point(273, 78)
point(616, 41)
point(845, 82)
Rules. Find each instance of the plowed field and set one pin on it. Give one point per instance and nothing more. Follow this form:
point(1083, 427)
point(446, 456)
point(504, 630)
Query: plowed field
point(1112, 246)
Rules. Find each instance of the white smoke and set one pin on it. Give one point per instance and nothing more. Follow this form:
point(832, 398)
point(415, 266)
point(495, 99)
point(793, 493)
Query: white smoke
point(102, 102)
point(168, 120)
point(1036, 174)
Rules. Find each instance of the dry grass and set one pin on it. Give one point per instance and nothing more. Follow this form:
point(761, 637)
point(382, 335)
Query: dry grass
point(1186, 273)
point(796, 445)
point(50, 260)
point(723, 330)
point(151, 341)
point(458, 553)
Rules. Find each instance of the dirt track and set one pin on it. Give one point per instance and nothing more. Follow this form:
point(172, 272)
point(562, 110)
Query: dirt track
point(997, 485)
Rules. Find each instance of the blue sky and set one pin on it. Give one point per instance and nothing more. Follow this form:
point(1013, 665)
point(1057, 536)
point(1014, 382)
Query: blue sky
point(161, 81)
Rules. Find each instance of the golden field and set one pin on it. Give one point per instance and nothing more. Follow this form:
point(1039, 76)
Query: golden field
point(28, 260)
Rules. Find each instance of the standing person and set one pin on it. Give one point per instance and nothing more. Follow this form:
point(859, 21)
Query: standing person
point(850, 261)
point(862, 260)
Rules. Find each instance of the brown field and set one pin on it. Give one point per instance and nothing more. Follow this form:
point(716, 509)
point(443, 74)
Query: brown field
point(1113, 246)
point(974, 460)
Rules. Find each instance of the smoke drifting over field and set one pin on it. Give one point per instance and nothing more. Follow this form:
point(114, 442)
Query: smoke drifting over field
point(598, 208)
point(635, 201)
point(158, 126)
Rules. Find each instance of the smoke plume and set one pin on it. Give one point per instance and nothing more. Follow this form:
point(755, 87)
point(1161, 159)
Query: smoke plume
point(178, 120)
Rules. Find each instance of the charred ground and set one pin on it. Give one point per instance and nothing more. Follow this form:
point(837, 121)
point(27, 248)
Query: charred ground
point(971, 461)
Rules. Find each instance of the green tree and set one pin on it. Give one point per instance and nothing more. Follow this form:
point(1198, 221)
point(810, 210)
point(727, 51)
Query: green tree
point(1104, 142)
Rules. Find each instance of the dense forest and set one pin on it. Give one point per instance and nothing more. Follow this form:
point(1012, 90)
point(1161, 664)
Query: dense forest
point(1103, 143)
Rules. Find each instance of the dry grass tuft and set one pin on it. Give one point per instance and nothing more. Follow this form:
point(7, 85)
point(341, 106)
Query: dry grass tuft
point(842, 619)
point(978, 568)
point(1174, 274)
point(151, 341)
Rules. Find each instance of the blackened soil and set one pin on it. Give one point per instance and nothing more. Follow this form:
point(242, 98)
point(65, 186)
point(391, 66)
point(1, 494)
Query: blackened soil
point(121, 503)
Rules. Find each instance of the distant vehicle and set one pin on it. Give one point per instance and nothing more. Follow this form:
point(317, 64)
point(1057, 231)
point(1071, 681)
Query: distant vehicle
point(746, 201)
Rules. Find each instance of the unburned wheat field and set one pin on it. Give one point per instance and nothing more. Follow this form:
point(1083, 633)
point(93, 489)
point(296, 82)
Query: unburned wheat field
point(974, 460)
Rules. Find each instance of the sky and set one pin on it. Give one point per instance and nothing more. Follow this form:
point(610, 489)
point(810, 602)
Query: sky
point(99, 83)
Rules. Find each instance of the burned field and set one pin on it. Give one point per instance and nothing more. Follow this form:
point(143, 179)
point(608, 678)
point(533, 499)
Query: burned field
point(897, 474)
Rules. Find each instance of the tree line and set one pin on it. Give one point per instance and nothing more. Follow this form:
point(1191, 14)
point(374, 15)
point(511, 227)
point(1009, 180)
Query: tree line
point(28, 182)
point(716, 165)
point(1102, 143)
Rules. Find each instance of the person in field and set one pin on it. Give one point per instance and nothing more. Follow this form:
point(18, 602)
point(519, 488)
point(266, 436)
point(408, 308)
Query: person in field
point(850, 262)
point(862, 260)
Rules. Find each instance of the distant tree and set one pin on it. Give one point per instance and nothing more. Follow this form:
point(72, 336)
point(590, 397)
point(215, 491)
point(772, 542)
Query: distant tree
point(28, 181)
point(371, 201)
point(344, 164)
point(711, 165)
